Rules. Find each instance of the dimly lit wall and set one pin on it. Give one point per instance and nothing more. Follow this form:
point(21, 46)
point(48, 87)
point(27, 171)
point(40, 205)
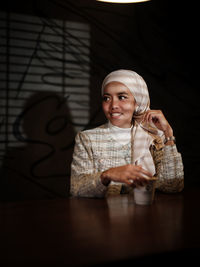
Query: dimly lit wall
point(156, 39)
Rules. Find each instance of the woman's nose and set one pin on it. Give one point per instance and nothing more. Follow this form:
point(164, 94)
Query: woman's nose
point(114, 104)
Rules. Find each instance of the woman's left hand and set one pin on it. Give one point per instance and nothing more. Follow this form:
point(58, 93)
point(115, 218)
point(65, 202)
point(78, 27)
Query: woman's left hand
point(158, 119)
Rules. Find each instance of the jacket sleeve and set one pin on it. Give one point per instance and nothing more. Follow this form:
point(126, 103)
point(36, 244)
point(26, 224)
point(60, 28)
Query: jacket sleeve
point(85, 180)
point(169, 169)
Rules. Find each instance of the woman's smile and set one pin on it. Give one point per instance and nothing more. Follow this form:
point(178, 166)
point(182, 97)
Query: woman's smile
point(115, 114)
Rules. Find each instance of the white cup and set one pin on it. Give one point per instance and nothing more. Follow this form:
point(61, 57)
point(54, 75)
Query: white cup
point(144, 195)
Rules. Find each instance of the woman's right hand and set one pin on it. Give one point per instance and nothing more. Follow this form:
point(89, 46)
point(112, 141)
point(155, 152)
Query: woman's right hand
point(132, 175)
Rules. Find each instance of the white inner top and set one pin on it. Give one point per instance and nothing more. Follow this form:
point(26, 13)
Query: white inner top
point(121, 135)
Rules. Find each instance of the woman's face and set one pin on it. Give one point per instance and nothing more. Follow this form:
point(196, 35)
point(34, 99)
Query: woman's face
point(118, 104)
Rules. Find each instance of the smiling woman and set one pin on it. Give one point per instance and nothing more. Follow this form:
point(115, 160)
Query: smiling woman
point(135, 145)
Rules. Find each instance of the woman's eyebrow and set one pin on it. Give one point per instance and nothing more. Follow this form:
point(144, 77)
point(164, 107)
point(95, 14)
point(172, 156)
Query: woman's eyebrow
point(106, 94)
point(122, 93)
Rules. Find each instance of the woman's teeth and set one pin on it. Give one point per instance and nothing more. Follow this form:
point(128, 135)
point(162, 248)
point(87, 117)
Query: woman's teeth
point(115, 114)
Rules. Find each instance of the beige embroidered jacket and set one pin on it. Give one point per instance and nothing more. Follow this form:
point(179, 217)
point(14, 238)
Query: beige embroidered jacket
point(95, 151)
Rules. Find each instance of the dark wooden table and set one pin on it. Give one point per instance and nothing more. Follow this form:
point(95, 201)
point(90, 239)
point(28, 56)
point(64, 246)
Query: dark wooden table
point(99, 232)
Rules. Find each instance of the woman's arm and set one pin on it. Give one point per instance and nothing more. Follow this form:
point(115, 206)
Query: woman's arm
point(169, 169)
point(85, 181)
point(168, 161)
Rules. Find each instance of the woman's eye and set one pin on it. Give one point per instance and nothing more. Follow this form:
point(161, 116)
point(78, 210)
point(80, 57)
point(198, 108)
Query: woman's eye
point(122, 97)
point(105, 98)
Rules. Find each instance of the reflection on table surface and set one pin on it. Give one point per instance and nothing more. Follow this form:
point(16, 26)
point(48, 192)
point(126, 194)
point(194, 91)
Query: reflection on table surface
point(85, 232)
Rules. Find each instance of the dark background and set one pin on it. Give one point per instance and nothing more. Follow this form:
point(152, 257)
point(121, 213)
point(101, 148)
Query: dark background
point(157, 39)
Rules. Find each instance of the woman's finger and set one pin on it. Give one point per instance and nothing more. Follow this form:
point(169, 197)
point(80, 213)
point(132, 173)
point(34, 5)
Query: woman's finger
point(142, 173)
point(152, 115)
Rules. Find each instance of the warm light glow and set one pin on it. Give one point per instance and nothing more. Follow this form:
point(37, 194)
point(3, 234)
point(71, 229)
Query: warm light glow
point(123, 1)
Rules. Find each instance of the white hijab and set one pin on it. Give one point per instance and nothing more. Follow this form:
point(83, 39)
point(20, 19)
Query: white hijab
point(141, 138)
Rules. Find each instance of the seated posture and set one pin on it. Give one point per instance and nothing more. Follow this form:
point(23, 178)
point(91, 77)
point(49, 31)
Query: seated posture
point(135, 144)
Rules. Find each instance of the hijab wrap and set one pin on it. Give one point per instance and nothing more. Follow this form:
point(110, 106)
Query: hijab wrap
point(141, 140)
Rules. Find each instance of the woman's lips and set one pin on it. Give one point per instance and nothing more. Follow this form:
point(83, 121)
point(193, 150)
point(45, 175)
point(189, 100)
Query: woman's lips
point(115, 114)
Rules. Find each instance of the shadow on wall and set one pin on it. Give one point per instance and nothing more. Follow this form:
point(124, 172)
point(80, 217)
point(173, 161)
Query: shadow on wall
point(39, 167)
